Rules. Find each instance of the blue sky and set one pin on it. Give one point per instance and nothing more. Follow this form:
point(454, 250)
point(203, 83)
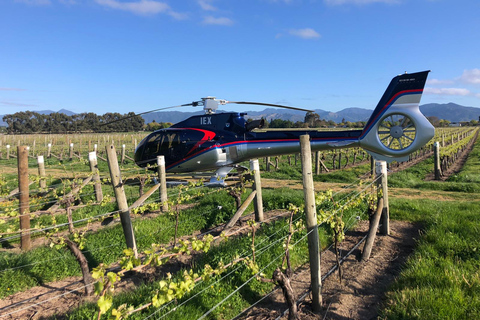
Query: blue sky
point(137, 55)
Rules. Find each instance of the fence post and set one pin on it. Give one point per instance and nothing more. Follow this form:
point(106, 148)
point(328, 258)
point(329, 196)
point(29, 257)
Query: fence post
point(438, 170)
point(22, 161)
point(8, 151)
point(381, 173)
point(123, 154)
point(257, 186)
point(372, 166)
point(41, 172)
point(312, 227)
point(92, 158)
point(117, 184)
point(162, 176)
point(367, 249)
point(317, 163)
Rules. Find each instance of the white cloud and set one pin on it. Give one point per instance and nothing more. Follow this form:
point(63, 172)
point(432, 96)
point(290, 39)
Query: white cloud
point(35, 2)
point(470, 76)
point(222, 21)
point(142, 7)
point(206, 5)
point(359, 2)
point(448, 91)
point(307, 33)
point(434, 82)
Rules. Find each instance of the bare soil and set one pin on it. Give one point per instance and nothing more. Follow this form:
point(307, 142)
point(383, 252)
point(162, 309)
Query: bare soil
point(362, 290)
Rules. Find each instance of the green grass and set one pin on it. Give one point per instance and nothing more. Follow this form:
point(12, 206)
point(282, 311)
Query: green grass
point(106, 244)
point(441, 279)
point(465, 181)
point(294, 172)
point(265, 237)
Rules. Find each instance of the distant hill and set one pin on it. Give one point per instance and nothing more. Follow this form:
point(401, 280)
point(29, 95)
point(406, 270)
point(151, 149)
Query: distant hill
point(448, 111)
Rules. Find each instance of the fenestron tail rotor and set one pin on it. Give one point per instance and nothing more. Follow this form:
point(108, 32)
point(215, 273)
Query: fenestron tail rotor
point(397, 131)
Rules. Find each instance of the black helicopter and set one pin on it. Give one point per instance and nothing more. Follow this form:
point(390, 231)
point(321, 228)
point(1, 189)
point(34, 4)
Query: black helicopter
point(221, 141)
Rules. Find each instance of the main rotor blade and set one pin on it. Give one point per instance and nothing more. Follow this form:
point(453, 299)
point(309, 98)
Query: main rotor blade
point(141, 113)
point(270, 105)
point(179, 106)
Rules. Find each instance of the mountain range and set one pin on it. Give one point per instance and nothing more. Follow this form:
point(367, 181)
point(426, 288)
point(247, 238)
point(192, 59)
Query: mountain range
point(448, 111)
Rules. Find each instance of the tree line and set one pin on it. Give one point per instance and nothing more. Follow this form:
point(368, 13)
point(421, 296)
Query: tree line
point(312, 120)
point(33, 122)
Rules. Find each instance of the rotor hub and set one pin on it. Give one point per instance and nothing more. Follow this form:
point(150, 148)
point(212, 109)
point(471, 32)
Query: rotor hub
point(396, 132)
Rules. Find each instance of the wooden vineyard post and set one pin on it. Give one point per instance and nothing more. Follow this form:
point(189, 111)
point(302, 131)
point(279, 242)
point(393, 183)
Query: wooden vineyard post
point(438, 169)
point(312, 227)
point(117, 184)
point(317, 163)
point(122, 159)
point(240, 210)
point(162, 176)
point(367, 249)
point(8, 151)
point(41, 172)
point(70, 152)
point(372, 166)
point(382, 183)
point(257, 187)
point(92, 158)
point(49, 150)
point(22, 160)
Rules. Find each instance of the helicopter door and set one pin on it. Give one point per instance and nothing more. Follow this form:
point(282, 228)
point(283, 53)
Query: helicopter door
point(232, 153)
point(236, 152)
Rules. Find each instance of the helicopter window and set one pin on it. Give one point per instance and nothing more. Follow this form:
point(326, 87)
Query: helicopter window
point(173, 144)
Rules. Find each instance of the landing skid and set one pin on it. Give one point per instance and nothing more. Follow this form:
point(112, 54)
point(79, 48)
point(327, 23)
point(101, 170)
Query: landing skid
point(222, 174)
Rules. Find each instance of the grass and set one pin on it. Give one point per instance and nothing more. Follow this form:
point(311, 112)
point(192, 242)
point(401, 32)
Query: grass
point(106, 244)
point(441, 280)
point(269, 246)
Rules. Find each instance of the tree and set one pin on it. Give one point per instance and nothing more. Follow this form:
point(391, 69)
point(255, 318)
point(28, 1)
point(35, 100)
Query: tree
point(435, 121)
point(279, 123)
point(311, 119)
point(444, 123)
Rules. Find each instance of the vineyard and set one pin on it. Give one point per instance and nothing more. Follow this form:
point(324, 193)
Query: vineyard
point(208, 253)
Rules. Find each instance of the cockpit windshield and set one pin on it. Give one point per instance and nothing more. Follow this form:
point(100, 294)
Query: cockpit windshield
point(173, 144)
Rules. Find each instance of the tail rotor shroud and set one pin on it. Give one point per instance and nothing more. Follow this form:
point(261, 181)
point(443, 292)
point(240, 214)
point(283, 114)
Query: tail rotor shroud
point(397, 131)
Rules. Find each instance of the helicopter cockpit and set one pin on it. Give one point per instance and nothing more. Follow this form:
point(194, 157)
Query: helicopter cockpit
point(172, 144)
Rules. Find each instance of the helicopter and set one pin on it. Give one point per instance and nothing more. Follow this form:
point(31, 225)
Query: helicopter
point(220, 141)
